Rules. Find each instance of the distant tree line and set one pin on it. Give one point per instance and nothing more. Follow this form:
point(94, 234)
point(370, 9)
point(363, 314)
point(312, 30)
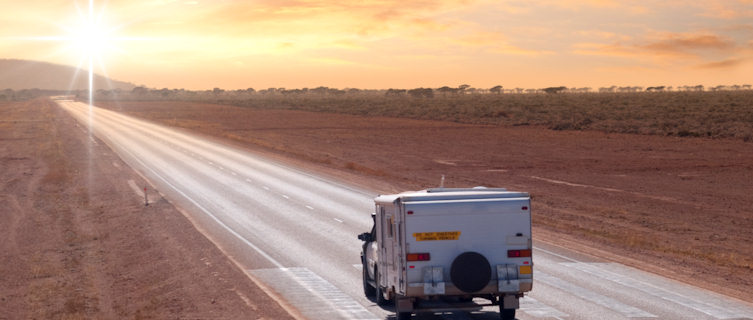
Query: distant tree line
point(142, 92)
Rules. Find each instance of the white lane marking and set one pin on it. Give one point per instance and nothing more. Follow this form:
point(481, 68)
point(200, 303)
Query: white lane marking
point(310, 207)
point(233, 173)
point(575, 184)
point(285, 196)
point(338, 220)
point(590, 296)
point(358, 266)
point(210, 163)
point(538, 249)
point(638, 194)
point(221, 168)
point(537, 309)
point(713, 310)
point(265, 188)
point(248, 180)
point(313, 296)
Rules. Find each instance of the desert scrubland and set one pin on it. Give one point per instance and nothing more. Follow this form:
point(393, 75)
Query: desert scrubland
point(714, 114)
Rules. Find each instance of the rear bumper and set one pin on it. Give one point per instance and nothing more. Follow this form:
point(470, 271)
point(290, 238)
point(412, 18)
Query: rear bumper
point(417, 290)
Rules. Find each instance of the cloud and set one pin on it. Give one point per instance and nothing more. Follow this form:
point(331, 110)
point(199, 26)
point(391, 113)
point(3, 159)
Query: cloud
point(724, 64)
point(683, 43)
point(664, 45)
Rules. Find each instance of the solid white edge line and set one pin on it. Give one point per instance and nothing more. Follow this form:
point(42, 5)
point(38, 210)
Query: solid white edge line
point(226, 227)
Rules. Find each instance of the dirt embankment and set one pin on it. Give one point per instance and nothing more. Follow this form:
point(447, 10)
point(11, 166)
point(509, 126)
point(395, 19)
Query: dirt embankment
point(77, 241)
point(680, 207)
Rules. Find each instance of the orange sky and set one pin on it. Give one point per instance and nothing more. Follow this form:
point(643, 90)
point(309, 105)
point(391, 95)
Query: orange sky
point(394, 44)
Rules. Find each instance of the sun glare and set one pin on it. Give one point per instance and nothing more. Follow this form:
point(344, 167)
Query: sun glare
point(89, 38)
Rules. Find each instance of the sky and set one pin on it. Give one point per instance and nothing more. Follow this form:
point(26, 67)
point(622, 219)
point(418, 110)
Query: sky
point(379, 44)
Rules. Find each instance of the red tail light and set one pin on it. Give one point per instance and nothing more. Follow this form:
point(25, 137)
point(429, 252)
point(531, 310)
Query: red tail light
point(418, 257)
point(519, 253)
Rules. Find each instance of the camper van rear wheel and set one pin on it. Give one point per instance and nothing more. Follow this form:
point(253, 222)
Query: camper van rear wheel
point(470, 272)
point(368, 290)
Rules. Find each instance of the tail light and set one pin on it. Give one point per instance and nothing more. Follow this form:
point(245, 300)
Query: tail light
point(519, 253)
point(418, 257)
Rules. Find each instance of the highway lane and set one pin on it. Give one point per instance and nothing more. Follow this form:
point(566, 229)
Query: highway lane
point(295, 233)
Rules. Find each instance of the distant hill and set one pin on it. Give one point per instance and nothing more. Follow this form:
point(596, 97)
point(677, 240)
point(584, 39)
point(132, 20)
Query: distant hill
point(25, 74)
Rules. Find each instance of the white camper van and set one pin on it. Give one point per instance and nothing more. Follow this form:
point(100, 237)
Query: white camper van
point(438, 249)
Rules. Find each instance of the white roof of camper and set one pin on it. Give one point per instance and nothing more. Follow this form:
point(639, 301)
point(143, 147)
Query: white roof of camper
point(451, 194)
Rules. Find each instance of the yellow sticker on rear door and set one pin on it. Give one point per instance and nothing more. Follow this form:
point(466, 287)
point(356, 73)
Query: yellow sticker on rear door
point(433, 236)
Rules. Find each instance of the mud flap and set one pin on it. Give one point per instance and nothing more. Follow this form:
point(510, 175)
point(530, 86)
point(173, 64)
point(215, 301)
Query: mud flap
point(510, 301)
point(403, 304)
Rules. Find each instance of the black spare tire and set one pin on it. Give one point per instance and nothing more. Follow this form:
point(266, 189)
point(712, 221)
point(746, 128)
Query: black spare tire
point(470, 272)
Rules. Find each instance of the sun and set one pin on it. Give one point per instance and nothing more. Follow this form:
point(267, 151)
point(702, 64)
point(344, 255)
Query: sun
point(90, 38)
point(89, 34)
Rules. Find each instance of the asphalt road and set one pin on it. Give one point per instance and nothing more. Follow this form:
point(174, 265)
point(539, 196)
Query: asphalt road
point(295, 234)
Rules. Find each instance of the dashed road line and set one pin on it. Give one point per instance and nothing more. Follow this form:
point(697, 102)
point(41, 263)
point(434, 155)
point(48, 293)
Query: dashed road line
point(707, 307)
point(285, 196)
point(593, 297)
point(310, 207)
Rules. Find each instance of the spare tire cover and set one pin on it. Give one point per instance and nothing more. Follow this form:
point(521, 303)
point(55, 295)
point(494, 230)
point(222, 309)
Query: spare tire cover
point(470, 272)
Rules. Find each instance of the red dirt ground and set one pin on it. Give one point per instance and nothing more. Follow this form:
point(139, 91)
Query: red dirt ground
point(680, 207)
point(77, 241)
